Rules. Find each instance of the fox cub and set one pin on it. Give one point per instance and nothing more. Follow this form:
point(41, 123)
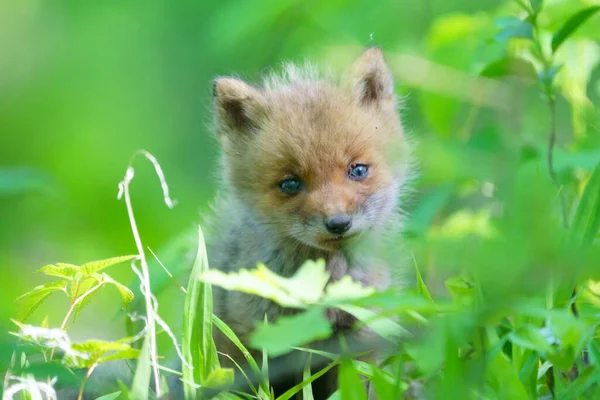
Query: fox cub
point(312, 168)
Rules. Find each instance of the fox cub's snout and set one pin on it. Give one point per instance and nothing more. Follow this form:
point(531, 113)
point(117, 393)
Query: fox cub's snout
point(317, 161)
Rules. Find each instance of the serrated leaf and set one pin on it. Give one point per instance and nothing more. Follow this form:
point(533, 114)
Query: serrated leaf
point(384, 327)
point(125, 354)
point(97, 349)
point(586, 222)
point(278, 338)
point(110, 396)
point(512, 27)
point(30, 301)
point(126, 294)
point(509, 66)
point(303, 288)
point(571, 26)
point(87, 289)
point(61, 270)
point(96, 266)
point(344, 290)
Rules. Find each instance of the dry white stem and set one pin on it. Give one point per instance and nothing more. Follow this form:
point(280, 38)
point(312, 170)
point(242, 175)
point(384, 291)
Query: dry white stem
point(152, 317)
point(29, 385)
point(135, 317)
point(159, 320)
point(51, 338)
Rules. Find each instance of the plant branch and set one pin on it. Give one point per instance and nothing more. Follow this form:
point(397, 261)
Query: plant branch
point(152, 317)
point(85, 379)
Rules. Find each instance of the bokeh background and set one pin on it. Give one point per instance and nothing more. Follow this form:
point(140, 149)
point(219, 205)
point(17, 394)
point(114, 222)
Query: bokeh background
point(85, 84)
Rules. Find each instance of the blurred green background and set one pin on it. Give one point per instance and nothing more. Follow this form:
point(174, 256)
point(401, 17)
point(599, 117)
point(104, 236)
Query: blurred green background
point(85, 84)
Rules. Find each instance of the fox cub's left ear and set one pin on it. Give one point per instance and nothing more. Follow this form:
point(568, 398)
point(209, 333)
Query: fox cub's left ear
point(372, 80)
point(238, 106)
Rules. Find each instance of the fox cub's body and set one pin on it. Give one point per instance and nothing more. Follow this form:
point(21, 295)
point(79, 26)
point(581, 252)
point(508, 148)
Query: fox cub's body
point(312, 169)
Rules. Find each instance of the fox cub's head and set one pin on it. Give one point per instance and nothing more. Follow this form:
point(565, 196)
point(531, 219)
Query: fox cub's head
point(317, 161)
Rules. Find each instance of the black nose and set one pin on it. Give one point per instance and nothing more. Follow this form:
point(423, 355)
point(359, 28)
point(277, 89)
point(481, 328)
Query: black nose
point(338, 224)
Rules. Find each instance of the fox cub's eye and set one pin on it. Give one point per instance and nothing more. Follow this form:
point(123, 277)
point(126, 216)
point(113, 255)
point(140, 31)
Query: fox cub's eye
point(290, 185)
point(358, 172)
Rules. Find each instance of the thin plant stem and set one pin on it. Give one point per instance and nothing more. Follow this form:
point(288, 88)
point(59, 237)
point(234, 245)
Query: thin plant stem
point(146, 287)
point(152, 317)
point(85, 379)
point(550, 158)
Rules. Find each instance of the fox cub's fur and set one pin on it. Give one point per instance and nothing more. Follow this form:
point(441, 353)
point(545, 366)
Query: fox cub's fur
point(312, 168)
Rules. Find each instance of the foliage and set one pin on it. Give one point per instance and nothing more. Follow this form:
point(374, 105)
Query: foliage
point(502, 230)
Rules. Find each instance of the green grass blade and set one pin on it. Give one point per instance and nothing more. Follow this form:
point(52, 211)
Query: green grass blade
point(197, 344)
point(291, 392)
point(222, 326)
point(111, 396)
point(587, 217)
point(307, 393)
point(571, 26)
point(143, 372)
point(351, 386)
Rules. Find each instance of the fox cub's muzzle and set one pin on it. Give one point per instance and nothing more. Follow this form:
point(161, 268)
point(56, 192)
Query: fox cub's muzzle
point(338, 224)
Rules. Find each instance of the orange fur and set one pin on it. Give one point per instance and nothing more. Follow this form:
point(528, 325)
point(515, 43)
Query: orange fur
point(313, 128)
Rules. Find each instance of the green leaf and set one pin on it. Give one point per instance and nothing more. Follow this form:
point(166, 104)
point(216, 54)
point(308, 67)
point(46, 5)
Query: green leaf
point(571, 25)
point(586, 222)
point(125, 354)
point(295, 389)
point(537, 5)
point(197, 344)
point(287, 332)
point(307, 392)
point(530, 337)
point(30, 301)
point(265, 361)
point(111, 396)
point(97, 266)
point(67, 271)
point(126, 294)
point(220, 378)
point(421, 287)
point(576, 389)
point(229, 334)
point(351, 386)
point(87, 290)
point(344, 290)
point(512, 27)
point(509, 66)
point(143, 372)
point(384, 327)
point(303, 288)
point(461, 289)
point(97, 350)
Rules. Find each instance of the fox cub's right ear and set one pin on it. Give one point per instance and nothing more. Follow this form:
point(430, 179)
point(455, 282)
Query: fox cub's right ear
point(238, 106)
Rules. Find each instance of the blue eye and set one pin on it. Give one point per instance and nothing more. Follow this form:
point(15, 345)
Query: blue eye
point(358, 172)
point(290, 186)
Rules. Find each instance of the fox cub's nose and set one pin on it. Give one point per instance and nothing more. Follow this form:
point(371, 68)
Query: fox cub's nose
point(338, 224)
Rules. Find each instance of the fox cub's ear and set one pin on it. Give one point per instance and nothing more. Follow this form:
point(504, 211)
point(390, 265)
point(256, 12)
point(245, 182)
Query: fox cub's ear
point(372, 80)
point(238, 106)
